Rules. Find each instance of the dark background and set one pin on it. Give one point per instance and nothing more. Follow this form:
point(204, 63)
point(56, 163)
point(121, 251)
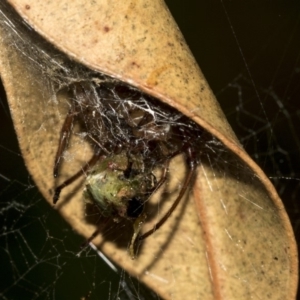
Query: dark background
point(249, 52)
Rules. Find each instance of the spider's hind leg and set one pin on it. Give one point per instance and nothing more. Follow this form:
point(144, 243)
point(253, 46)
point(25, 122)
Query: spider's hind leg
point(191, 162)
point(137, 226)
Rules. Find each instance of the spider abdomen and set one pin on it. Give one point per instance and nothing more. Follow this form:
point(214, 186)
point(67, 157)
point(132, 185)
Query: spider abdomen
point(112, 191)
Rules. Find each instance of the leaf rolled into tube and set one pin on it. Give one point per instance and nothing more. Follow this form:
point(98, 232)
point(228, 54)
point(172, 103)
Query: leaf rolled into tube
point(225, 249)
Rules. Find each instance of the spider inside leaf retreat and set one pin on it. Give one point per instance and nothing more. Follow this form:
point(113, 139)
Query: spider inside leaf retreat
point(131, 134)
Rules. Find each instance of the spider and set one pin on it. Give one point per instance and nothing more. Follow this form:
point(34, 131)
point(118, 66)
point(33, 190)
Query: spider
point(131, 134)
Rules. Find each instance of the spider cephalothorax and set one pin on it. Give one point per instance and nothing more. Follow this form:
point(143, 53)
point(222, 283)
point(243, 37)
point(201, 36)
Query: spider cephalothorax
point(131, 134)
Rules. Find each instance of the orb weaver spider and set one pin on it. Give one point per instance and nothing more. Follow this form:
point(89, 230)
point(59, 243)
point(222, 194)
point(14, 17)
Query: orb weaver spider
point(131, 133)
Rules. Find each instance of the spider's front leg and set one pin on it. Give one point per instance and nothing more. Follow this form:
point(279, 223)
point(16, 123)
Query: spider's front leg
point(79, 96)
point(81, 172)
point(64, 138)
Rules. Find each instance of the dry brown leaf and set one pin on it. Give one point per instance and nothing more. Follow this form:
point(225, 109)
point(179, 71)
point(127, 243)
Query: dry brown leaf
point(244, 247)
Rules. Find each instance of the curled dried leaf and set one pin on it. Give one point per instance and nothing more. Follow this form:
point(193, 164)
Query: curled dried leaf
point(238, 209)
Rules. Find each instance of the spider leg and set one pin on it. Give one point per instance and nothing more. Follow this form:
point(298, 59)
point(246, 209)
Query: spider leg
point(90, 239)
point(191, 161)
point(140, 220)
point(163, 176)
point(95, 233)
point(137, 226)
point(64, 138)
point(81, 172)
point(66, 130)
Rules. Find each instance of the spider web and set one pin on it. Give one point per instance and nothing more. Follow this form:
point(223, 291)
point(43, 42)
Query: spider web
point(249, 54)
